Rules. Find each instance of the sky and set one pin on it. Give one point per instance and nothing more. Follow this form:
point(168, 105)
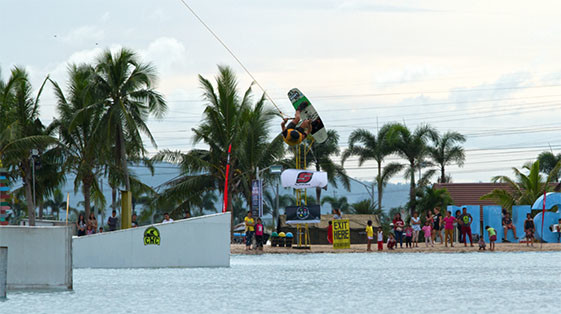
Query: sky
point(487, 69)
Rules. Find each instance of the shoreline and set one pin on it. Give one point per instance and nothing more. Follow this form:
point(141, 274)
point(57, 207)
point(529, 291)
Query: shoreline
point(438, 248)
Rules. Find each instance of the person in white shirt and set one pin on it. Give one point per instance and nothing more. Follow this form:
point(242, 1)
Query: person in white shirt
point(167, 218)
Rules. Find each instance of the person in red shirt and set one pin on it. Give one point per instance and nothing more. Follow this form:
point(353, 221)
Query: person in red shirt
point(398, 226)
point(330, 233)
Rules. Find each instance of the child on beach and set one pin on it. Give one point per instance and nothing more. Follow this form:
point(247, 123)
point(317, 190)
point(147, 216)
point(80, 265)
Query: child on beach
point(391, 241)
point(416, 223)
point(408, 236)
point(492, 237)
point(529, 229)
point(369, 235)
point(427, 229)
point(380, 239)
point(330, 232)
point(259, 234)
point(481, 243)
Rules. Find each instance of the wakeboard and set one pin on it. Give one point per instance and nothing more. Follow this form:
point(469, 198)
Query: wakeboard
point(307, 111)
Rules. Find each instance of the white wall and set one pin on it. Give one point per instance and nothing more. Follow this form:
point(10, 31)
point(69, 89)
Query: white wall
point(38, 257)
point(195, 242)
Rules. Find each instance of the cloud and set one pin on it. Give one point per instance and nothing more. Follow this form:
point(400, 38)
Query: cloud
point(83, 34)
point(389, 7)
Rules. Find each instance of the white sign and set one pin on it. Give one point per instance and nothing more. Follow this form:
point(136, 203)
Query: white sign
point(303, 179)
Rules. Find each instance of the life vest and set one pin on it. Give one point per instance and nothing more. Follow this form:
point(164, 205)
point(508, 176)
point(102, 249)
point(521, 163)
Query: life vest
point(288, 139)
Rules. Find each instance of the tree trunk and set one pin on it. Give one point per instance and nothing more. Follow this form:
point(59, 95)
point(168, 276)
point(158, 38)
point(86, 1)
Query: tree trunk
point(123, 155)
point(86, 190)
point(442, 175)
point(113, 198)
point(40, 210)
point(29, 198)
point(412, 189)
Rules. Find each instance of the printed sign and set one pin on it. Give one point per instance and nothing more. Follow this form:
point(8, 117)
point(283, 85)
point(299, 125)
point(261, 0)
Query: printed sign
point(302, 179)
point(341, 234)
point(257, 198)
point(151, 236)
point(302, 214)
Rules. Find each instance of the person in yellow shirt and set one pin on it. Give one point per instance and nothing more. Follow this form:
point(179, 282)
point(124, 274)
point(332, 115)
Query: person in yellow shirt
point(369, 235)
point(249, 230)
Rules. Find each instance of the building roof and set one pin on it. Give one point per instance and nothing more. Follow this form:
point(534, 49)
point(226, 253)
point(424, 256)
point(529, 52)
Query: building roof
point(469, 193)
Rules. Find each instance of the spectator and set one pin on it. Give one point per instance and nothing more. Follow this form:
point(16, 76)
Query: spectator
point(249, 230)
point(81, 225)
point(134, 223)
point(558, 228)
point(92, 222)
point(465, 221)
point(408, 236)
point(437, 225)
point(89, 230)
point(259, 234)
point(398, 225)
point(337, 214)
point(457, 214)
point(529, 229)
point(507, 224)
point(391, 241)
point(100, 230)
point(449, 229)
point(167, 218)
point(113, 221)
point(416, 223)
point(380, 239)
point(330, 232)
point(427, 229)
point(369, 235)
point(187, 214)
point(492, 237)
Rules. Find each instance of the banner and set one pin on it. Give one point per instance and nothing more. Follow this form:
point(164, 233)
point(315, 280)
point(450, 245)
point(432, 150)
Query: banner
point(303, 179)
point(341, 234)
point(303, 214)
point(257, 198)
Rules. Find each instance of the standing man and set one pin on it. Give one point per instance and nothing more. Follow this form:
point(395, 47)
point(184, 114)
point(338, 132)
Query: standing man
point(167, 219)
point(134, 223)
point(249, 230)
point(113, 221)
point(465, 221)
point(437, 225)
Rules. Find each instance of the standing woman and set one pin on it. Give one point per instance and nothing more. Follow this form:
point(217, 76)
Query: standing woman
point(249, 230)
point(398, 225)
point(430, 219)
point(81, 225)
point(416, 224)
point(458, 225)
point(92, 222)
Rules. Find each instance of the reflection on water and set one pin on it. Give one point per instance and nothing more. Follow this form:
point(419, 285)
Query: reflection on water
point(407, 283)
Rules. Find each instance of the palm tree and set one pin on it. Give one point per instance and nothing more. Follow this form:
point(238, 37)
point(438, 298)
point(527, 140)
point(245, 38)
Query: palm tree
point(364, 207)
point(525, 188)
point(336, 202)
point(82, 142)
point(368, 146)
point(21, 131)
point(429, 198)
point(229, 119)
point(445, 152)
point(126, 89)
point(548, 161)
point(413, 147)
point(56, 203)
point(320, 158)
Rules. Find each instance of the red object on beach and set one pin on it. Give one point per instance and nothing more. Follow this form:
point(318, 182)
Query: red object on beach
point(543, 212)
point(330, 234)
point(226, 183)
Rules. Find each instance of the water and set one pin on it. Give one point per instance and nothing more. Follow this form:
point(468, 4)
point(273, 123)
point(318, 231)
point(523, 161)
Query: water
point(317, 283)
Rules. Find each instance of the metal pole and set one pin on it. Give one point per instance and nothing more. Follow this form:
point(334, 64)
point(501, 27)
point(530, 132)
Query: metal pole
point(372, 196)
point(3, 270)
point(33, 174)
point(276, 212)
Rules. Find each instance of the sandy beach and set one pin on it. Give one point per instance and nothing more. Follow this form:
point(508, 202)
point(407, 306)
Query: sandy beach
point(438, 248)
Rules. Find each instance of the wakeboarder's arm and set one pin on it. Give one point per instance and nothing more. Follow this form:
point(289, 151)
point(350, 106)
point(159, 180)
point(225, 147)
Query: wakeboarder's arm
point(283, 124)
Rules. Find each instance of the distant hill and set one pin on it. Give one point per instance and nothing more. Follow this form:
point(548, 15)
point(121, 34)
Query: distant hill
point(394, 194)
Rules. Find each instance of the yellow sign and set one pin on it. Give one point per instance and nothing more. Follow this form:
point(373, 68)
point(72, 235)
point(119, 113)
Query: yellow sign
point(341, 234)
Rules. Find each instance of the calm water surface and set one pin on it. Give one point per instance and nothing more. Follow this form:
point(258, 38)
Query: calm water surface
point(317, 283)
